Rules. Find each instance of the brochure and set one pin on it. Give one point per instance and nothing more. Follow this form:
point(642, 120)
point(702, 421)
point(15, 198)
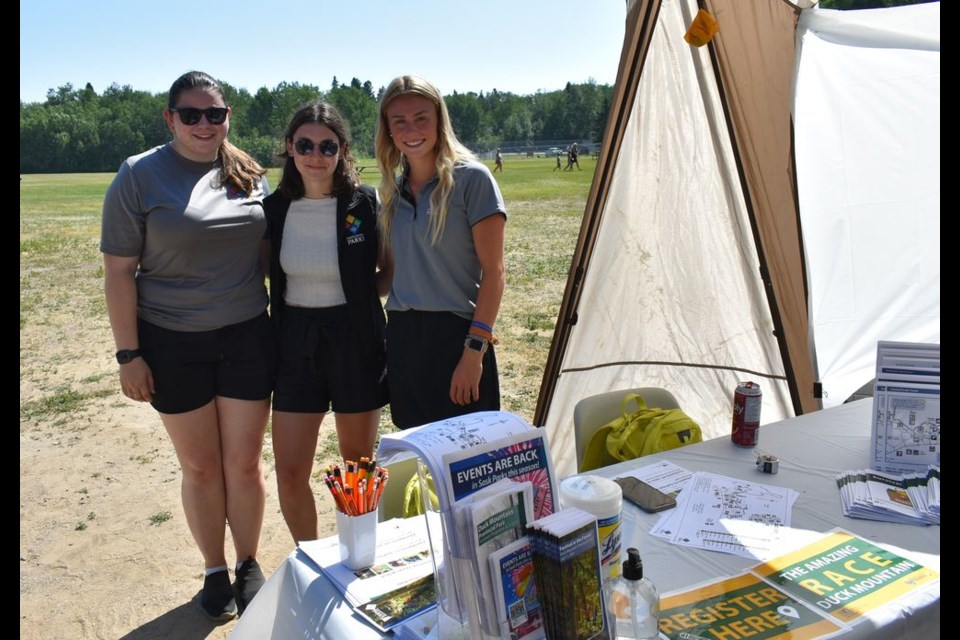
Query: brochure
point(566, 560)
point(515, 591)
point(489, 520)
point(875, 495)
point(906, 407)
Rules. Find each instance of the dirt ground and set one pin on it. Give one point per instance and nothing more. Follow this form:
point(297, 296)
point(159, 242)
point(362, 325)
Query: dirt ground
point(104, 547)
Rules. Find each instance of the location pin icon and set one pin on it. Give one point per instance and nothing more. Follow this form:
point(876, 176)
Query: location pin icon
point(790, 612)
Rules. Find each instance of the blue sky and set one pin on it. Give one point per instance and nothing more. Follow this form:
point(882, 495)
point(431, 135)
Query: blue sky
point(511, 45)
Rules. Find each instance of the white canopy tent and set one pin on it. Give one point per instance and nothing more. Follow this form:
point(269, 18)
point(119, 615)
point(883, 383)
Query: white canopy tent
point(698, 264)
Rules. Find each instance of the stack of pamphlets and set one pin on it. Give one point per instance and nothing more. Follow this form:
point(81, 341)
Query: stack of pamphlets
point(566, 560)
point(906, 407)
point(912, 498)
point(488, 520)
point(397, 586)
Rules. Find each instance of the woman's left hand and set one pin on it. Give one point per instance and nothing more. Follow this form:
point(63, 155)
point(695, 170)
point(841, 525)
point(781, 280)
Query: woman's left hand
point(465, 384)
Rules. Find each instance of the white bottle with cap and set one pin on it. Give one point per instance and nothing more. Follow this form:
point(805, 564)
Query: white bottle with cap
point(604, 499)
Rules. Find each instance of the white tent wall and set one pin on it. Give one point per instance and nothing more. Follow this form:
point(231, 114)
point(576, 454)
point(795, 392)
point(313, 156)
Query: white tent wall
point(673, 297)
point(665, 287)
point(867, 119)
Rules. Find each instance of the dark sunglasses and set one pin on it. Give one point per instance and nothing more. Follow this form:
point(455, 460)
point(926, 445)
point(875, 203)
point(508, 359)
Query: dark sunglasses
point(191, 115)
point(304, 147)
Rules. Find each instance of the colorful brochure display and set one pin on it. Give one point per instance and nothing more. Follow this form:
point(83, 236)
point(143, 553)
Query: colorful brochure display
point(466, 456)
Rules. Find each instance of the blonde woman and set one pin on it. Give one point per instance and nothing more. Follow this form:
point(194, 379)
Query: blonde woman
point(443, 218)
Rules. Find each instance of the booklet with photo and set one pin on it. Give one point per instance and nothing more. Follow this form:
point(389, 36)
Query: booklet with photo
point(515, 591)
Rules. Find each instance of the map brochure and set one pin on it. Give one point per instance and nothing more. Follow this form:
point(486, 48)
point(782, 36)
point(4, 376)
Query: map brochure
point(844, 576)
point(397, 586)
point(905, 426)
point(875, 495)
point(515, 591)
point(741, 606)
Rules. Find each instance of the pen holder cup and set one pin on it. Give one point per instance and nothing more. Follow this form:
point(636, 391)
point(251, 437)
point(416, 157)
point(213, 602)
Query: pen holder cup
point(358, 539)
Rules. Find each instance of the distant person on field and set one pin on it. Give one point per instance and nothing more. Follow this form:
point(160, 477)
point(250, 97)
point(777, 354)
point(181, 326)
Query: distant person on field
point(444, 219)
point(187, 302)
point(572, 154)
point(559, 166)
point(498, 161)
point(327, 272)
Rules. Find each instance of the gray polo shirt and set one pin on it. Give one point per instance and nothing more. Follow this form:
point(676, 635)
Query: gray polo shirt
point(443, 276)
point(198, 243)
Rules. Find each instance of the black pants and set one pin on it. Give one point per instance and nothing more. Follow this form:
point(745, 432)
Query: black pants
point(423, 349)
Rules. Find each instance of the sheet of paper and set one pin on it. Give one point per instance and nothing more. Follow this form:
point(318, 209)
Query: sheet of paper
point(720, 513)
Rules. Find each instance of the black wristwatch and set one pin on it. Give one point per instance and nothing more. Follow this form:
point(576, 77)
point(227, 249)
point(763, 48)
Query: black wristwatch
point(126, 355)
point(475, 343)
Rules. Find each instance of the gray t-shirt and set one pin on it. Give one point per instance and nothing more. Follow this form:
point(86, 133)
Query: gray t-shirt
point(198, 243)
point(443, 276)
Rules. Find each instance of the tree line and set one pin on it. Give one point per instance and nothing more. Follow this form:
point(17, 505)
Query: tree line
point(79, 130)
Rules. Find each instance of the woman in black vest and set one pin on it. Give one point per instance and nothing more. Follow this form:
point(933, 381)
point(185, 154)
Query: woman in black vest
point(327, 273)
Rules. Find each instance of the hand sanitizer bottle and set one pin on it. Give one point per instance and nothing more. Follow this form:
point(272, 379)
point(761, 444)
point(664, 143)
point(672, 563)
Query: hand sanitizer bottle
point(635, 602)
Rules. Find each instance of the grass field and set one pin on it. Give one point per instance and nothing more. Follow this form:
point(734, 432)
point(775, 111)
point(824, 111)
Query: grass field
point(63, 316)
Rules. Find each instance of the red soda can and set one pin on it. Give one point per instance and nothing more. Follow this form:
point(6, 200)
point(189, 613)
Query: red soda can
point(746, 414)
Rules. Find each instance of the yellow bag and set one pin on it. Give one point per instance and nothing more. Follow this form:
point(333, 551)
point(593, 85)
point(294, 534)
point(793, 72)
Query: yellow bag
point(413, 499)
point(640, 433)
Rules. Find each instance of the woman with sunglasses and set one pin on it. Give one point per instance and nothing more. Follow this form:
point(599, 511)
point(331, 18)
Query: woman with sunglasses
point(327, 273)
point(182, 226)
point(444, 217)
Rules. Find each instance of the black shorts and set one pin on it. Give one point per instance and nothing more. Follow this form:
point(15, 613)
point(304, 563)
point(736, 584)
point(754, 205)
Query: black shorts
point(423, 350)
point(190, 368)
point(322, 361)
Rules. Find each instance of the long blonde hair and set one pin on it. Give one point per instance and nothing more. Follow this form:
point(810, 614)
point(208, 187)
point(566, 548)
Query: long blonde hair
point(449, 153)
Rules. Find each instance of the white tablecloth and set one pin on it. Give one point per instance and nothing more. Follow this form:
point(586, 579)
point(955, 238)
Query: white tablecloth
point(298, 602)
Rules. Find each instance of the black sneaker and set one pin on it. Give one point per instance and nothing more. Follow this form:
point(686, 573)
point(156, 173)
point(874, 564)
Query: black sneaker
point(249, 580)
point(217, 599)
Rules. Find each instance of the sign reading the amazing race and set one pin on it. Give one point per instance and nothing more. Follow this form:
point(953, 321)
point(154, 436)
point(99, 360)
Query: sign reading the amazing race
point(844, 576)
